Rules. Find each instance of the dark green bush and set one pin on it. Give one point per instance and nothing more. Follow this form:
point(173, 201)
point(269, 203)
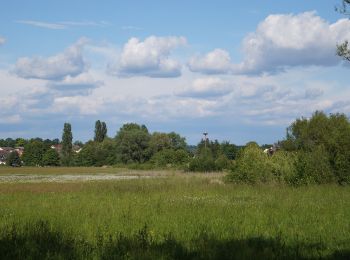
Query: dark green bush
point(204, 162)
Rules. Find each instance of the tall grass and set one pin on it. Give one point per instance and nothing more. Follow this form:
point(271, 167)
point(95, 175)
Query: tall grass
point(179, 217)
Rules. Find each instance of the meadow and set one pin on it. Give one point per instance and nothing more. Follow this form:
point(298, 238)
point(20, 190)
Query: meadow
point(173, 216)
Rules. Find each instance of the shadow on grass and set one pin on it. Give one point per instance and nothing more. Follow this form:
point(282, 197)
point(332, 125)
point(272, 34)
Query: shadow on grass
point(40, 242)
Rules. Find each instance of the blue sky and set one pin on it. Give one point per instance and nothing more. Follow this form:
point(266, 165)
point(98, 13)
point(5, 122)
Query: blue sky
point(240, 70)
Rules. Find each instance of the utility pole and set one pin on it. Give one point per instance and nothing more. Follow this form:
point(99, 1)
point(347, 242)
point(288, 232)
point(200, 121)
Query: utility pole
point(205, 139)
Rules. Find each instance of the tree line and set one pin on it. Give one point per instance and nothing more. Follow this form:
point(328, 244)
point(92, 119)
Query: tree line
point(132, 146)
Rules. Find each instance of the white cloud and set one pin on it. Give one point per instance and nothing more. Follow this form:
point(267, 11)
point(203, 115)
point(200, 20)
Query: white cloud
point(2, 40)
point(280, 42)
point(149, 57)
point(283, 41)
point(216, 62)
point(68, 63)
point(62, 25)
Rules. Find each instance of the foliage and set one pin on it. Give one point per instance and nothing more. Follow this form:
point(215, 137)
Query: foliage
point(51, 158)
point(132, 142)
point(315, 151)
point(325, 136)
point(169, 158)
point(33, 153)
point(97, 154)
point(159, 142)
point(252, 166)
point(343, 50)
point(100, 131)
point(229, 150)
point(8, 142)
point(203, 162)
point(13, 159)
point(67, 138)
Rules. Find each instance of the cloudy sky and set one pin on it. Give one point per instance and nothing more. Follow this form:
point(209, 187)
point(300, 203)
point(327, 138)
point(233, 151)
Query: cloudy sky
point(241, 70)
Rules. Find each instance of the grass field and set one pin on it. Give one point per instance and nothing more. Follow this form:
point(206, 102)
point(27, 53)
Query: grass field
point(180, 216)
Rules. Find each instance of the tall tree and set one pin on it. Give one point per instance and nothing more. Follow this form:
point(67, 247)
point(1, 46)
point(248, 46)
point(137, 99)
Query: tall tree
point(98, 128)
point(103, 130)
point(67, 138)
point(100, 131)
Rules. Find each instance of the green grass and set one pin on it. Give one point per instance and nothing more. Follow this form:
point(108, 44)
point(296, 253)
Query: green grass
point(182, 216)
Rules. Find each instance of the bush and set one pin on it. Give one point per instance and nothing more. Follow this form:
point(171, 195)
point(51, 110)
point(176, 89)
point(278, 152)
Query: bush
point(313, 167)
point(204, 162)
point(252, 166)
point(169, 158)
point(283, 166)
point(222, 163)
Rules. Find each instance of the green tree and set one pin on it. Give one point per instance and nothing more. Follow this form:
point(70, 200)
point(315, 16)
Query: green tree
point(177, 142)
point(329, 135)
point(67, 138)
point(20, 142)
point(229, 150)
point(51, 158)
point(103, 130)
point(159, 141)
point(132, 141)
point(13, 159)
point(100, 131)
point(33, 153)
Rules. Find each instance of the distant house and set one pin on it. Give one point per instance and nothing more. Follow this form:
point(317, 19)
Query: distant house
point(58, 148)
point(4, 152)
point(19, 150)
point(3, 156)
point(77, 148)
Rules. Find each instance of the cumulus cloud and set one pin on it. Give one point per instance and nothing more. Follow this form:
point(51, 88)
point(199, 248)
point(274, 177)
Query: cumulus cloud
point(2, 40)
point(283, 41)
point(280, 42)
point(216, 62)
point(150, 57)
point(68, 63)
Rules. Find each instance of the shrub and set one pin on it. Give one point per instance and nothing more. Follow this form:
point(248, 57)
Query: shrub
point(222, 163)
point(313, 167)
point(252, 166)
point(204, 162)
point(170, 157)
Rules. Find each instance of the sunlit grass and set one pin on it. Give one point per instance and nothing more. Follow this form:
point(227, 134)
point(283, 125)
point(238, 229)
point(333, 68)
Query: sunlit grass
point(200, 215)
